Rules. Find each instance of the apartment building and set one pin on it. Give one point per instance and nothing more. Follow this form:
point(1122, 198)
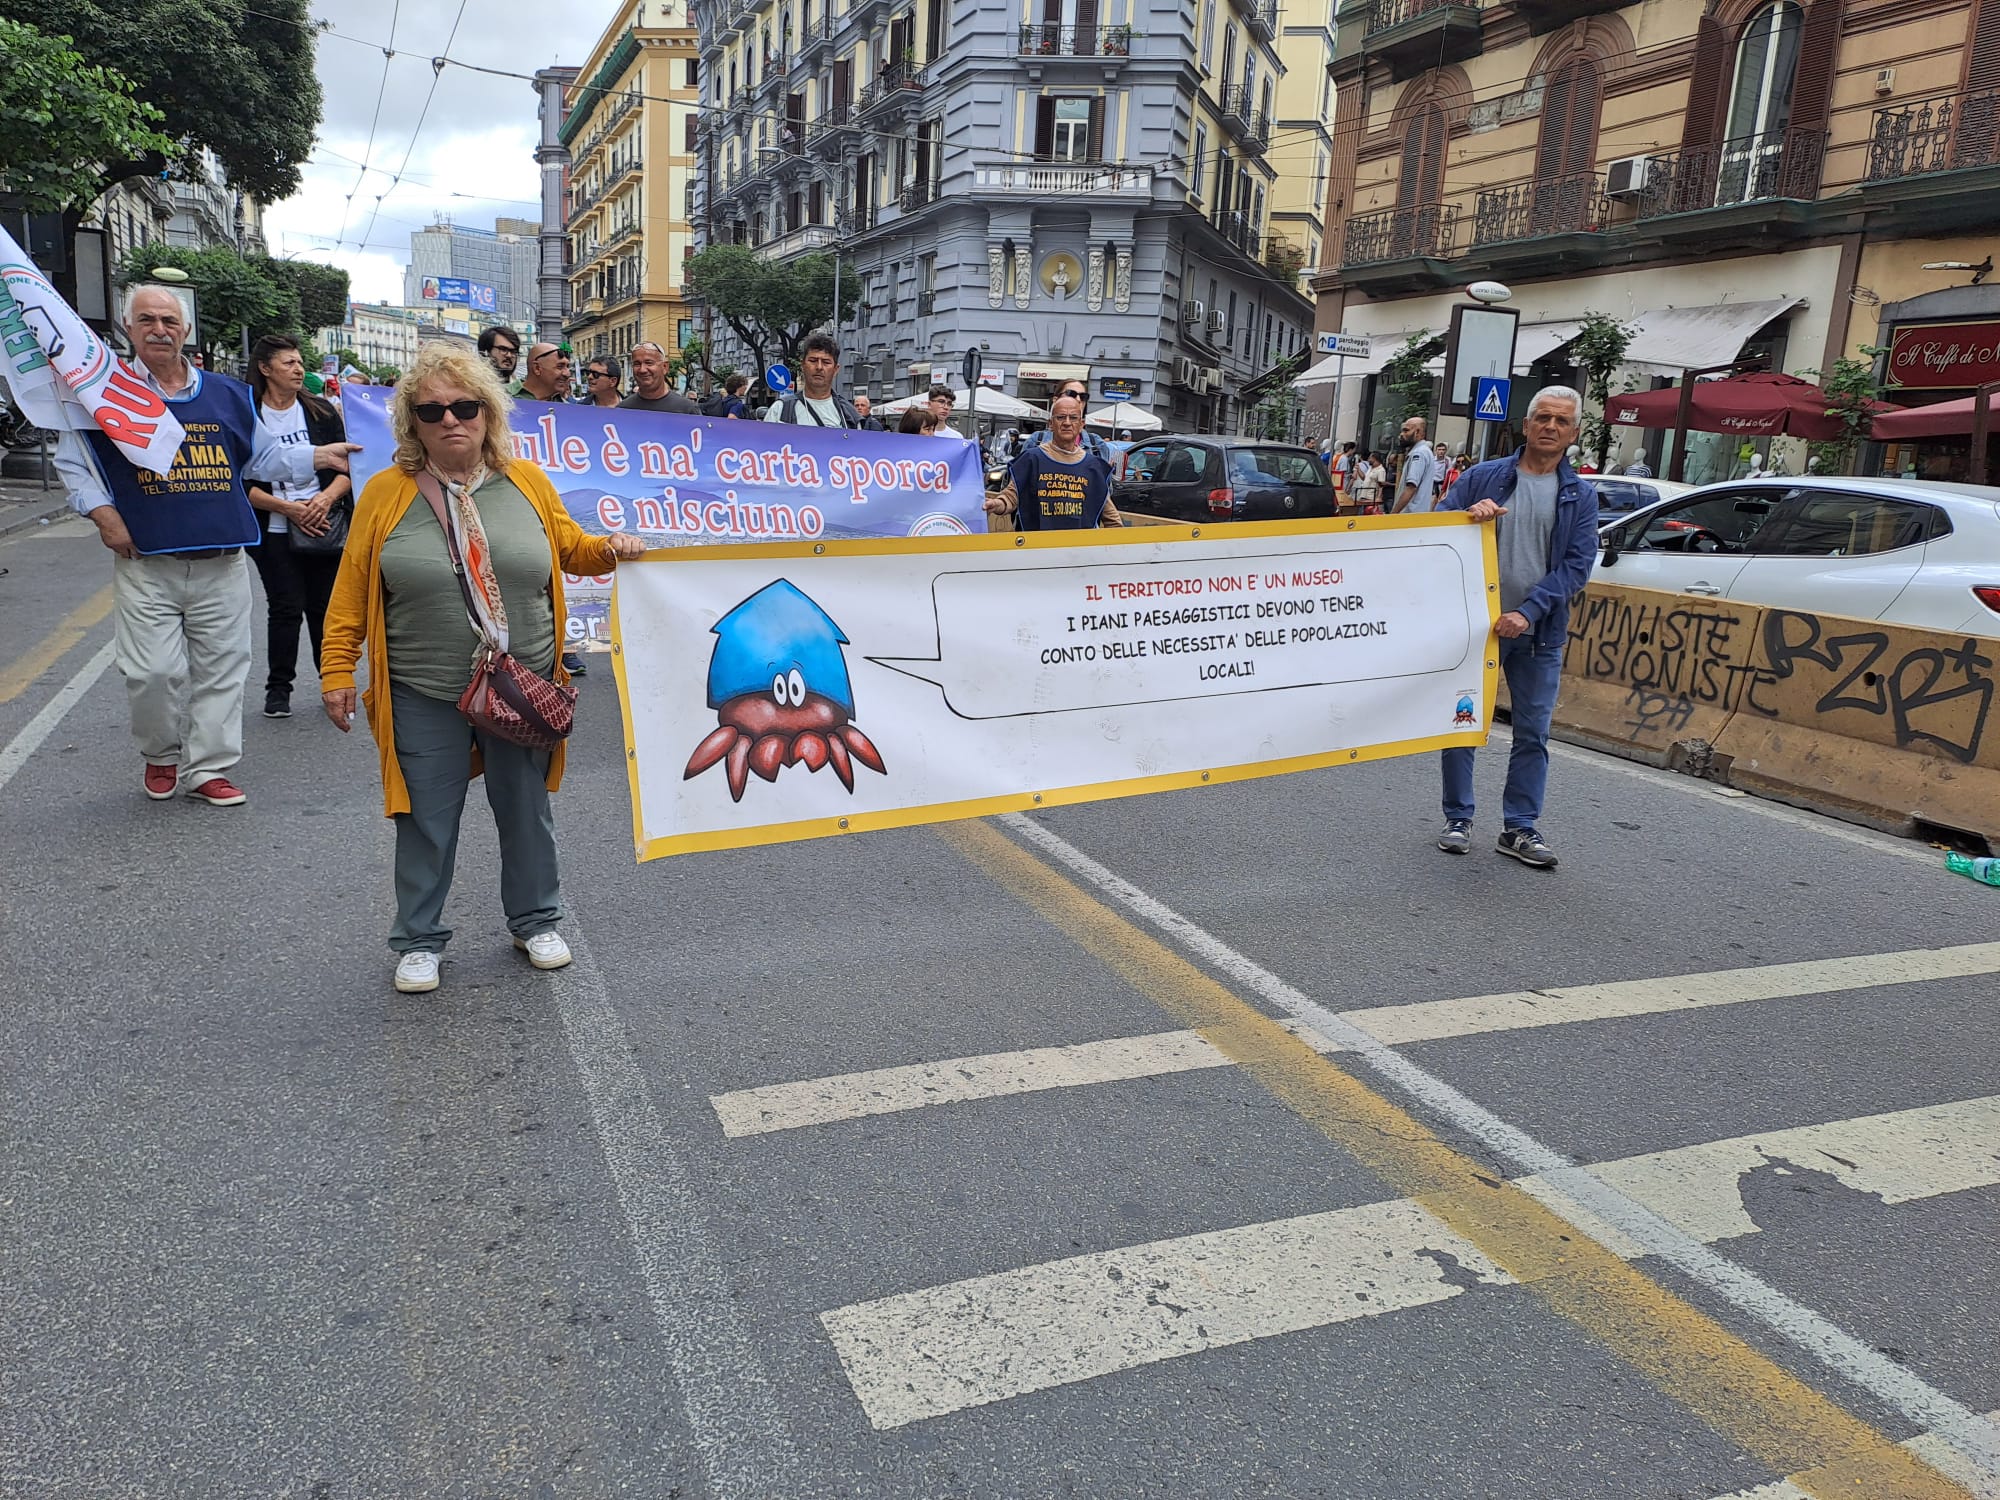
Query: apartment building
point(630, 129)
point(1077, 188)
point(1786, 179)
point(378, 332)
point(506, 257)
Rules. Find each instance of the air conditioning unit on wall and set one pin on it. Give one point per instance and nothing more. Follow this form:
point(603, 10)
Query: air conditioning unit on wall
point(1216, 322)
point(1211, 379)
point(1193, 311)
point(1626, 177)
point(1187, 373)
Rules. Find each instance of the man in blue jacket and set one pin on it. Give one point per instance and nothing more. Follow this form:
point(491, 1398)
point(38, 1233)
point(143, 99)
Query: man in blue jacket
point(1546, 520)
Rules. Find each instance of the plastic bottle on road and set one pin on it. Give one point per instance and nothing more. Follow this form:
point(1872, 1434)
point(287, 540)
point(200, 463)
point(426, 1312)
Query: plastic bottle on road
point(1978, 867)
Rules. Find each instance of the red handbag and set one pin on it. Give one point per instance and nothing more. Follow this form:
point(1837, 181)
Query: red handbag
point(504, 698)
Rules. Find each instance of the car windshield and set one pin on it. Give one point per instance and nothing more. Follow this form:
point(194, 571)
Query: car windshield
point(1274, 466)
point(1620, 495)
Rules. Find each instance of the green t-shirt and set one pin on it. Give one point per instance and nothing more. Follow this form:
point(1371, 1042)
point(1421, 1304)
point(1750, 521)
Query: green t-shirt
point(430, 640)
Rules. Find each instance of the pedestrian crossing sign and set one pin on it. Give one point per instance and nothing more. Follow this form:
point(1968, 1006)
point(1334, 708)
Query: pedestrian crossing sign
point(1489, 399)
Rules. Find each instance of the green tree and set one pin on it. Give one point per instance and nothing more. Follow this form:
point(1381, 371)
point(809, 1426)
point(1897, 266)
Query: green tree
point(1850, 386)
point(61, 118)
point(771, 307)
point(322, 291)
point(1406, 380)
point(1598, 350)
point(231, 293)
point(224, 75)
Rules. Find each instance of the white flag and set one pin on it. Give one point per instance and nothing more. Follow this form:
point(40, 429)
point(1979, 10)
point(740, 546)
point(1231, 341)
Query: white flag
point(64, 377)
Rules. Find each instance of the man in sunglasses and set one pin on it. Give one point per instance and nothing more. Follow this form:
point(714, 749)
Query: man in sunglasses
point(1077, 391)
point(547, 378)
point(600, 381)
point(650, 391)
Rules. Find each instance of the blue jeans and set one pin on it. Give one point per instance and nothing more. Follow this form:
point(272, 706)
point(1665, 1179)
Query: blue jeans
point(1533, 674)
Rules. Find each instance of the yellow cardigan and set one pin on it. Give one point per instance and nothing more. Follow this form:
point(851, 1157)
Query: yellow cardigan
point(354, 614)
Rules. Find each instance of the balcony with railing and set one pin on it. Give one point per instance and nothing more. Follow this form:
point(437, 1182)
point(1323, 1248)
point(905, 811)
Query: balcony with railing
point(899, 83)
point(1061, 178)
point(1239, 229)
point(815, 37)
point(918, 194)
point(1540, 208)
point(801, 241)
point(1262, 18)
point(1745, 169)
point(1044, 39)
point(1284, 258)
point(926, 302)
point(1240, 114)
point(1415, 35)
point(1425, 231)
point(1953, 134)
point(835, 124)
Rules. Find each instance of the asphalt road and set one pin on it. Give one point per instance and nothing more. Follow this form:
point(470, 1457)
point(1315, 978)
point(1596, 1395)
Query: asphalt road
point(1059, 1207)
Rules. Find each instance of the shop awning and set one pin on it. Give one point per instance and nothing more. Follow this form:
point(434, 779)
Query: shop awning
point(1537, 340)
point(1674, 339)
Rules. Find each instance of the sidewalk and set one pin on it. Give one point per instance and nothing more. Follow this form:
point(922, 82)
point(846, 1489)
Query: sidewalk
point(24, 503)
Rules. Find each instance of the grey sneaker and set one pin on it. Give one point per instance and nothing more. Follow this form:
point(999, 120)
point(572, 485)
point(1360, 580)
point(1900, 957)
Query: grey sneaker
point(1457, 836)
point(416, 973)
point(1526, 845)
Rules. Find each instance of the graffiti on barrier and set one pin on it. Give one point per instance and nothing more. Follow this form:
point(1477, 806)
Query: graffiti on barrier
point(1933, 696)
point(1674, 658)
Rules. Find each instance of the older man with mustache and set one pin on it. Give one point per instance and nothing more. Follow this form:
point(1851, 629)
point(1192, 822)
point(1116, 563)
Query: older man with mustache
point(180, 585)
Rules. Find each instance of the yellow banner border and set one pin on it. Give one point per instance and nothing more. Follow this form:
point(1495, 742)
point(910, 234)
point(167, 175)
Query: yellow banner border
point(1027, 801)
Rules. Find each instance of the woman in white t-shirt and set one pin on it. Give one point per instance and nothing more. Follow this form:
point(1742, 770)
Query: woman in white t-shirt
point(298, 580)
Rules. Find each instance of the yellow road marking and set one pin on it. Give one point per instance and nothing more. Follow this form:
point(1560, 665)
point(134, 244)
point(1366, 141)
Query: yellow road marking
point(1682, 1351)
point(53, 647)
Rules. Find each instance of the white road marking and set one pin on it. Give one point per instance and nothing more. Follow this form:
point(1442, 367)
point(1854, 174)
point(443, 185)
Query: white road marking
point(989, 1338)
point(43, 724)
point(732, 1408)
point(1851, 1358)
point(1938, 1454)
point(923, 1354)
point(880, 1091)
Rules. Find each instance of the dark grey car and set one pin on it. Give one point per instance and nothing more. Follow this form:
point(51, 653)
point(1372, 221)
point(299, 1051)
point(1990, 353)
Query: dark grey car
point(1223, 479)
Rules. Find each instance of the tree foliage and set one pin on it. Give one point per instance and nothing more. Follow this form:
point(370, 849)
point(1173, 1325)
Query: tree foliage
point(771, 307)
point(1598, 350)
point(234, 291)
point(223, 75)
point(61, 119)
point(322, 291)
point(1849, 385)
point(1405, 378)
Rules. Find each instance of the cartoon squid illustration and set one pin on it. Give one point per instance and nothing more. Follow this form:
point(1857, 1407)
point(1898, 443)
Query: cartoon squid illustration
point(778, 682)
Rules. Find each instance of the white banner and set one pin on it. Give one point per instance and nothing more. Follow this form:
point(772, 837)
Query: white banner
point(65, 378)
point(794, 691)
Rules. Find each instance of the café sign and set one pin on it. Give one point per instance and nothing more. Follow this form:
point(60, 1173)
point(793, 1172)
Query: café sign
point(1943, 356)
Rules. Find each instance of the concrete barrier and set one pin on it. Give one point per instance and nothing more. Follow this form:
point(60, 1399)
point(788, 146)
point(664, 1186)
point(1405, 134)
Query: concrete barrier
point(1880, 724)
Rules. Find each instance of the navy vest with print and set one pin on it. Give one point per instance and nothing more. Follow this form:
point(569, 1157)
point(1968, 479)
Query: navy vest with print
point(200, 503)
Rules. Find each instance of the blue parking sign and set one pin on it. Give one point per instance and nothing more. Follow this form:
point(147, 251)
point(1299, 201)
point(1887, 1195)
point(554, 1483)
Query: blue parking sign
point(1490, 398)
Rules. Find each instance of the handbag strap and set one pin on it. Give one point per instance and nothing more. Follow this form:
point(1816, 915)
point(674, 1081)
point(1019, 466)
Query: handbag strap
point(427, 484)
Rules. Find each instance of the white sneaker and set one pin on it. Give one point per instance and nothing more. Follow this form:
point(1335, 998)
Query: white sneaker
point(545, 950)
point(416, 972)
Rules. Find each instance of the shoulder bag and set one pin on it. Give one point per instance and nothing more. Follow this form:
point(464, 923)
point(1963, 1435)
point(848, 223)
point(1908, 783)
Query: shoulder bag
point(504, 698)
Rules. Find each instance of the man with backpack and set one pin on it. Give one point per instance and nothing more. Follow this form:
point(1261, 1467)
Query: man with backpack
point(728, 402)
point(815, 403)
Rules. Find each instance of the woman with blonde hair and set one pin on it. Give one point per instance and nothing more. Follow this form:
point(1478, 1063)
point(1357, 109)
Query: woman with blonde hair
point(398, 592)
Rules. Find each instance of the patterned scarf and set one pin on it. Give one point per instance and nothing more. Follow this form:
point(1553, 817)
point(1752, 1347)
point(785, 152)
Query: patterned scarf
point(489, 613)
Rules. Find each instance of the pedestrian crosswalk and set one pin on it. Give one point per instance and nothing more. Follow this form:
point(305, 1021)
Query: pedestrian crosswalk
point(929, 1351)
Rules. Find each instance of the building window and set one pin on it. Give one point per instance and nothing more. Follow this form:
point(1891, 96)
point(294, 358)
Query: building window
point(1421, 178)
point(1198, 163)
point(1228, 52)
point(1319, 182)
point(1208, 35)
point(689, 129)
point(693, 74)
point(1069, 129)
point(1767, 65)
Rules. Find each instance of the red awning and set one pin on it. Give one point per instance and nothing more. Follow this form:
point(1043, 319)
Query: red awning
point(1945, 419)
point(1757, 405)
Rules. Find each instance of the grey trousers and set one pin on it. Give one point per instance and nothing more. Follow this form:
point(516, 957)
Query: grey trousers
point(183, 633)
point(434, 748)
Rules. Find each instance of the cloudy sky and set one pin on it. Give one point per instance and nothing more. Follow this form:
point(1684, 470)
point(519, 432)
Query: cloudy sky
point(473, 158)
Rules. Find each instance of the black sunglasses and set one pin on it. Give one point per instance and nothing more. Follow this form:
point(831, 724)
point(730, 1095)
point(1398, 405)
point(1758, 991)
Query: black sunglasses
point(596, 374)
point(1078, 395)
point(430, 413)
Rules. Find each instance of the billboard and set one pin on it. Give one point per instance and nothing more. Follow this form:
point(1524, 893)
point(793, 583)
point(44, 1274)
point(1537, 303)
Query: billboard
point(476, 295)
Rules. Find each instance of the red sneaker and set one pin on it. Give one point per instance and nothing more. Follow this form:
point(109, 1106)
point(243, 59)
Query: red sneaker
point(218, 792)
point(161, 781)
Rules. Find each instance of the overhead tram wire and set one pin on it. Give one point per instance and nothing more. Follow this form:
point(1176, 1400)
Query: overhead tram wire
point(437, 72)
point(367, 151)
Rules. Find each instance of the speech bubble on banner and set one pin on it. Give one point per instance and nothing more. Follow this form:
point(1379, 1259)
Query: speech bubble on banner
point(1115, 635)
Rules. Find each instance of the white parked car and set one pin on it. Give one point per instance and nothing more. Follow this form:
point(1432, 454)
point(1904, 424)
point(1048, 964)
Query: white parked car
point(1620, 494)
point(1906, 552)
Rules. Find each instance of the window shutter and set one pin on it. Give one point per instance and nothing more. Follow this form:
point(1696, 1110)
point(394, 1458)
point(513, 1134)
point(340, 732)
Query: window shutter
point(1982, 61)
point(1706, 85)
point(842, 81)
point(1045, 128)
point(1552, 149)
point(1819, 48)
point(1086, 21)
point(1422, 177)
point(1586, 101)
point(1097, 129)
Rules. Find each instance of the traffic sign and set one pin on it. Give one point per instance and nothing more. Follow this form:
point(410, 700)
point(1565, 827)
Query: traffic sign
point(970, 368)
point(1490, 398)
point(778, 378)
point(1347, 345)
